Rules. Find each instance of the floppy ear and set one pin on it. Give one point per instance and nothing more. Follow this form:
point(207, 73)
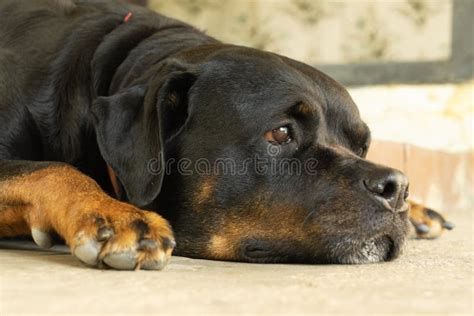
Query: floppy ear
point(132, 128)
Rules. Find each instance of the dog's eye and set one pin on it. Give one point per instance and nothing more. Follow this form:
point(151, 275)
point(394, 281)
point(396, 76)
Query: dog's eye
point(280, 135)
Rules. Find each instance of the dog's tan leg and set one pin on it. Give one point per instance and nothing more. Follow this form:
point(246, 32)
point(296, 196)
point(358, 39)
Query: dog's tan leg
point(98, 229)
point(427, 223)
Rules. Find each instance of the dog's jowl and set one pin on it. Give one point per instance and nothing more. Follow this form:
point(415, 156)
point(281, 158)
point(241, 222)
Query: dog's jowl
point(120, 126)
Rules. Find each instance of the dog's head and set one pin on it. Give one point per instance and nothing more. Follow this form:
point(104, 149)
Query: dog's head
point(253, 157)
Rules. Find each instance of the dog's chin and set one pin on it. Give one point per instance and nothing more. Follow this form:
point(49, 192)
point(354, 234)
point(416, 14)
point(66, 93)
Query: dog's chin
point(377, 249)
point(345, 250)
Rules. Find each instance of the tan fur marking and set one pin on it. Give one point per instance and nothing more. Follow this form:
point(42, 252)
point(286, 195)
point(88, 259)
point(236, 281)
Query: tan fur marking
point(304, 109)
point(221, 248)
point(64, 200)
point(12, 220)
point(206, 191)
point(417, 212)
point(259, 222)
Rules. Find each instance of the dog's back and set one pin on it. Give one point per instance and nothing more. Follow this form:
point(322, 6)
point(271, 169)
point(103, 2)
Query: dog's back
point(30, 35)
point(44, 47)
point(31, 30)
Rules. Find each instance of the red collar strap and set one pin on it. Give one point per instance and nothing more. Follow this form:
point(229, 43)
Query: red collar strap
point(127, 18)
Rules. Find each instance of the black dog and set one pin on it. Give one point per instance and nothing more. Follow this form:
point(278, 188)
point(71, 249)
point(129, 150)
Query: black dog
point(249, 155)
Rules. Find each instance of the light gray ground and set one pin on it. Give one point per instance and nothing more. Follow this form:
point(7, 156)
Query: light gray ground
point(431, 276)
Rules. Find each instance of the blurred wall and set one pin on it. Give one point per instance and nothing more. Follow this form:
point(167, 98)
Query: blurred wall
point(325, 31)
point(358, 42)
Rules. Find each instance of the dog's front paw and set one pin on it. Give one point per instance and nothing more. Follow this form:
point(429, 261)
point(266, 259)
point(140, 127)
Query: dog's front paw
point(120, 236)
point(427, 223)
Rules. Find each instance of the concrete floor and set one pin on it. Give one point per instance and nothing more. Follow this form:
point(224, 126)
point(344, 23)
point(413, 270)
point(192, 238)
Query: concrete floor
point(431, 277)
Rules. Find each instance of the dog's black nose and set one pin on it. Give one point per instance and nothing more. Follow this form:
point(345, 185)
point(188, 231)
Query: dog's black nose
point(390, 187)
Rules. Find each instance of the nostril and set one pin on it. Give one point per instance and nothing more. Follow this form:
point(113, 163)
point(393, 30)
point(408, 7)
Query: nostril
point(389, 190)
point(390, 187)
point(385, 189)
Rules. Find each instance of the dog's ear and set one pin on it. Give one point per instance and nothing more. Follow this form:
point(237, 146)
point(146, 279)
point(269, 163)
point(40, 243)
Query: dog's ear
point(132, 128)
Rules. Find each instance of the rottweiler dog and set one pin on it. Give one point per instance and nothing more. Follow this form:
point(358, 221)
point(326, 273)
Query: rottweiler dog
point(123, 130)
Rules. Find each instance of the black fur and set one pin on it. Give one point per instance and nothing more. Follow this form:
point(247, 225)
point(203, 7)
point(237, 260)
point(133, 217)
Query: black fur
point(81, 86)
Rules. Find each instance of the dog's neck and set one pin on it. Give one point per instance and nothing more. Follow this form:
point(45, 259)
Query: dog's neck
point(121, 51)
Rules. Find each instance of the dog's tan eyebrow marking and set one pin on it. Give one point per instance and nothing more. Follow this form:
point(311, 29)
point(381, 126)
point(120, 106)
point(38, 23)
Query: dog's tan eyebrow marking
point(304, 108)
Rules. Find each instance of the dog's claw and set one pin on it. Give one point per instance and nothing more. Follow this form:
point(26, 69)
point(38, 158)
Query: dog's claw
point(42, 238)
point(169, 243)
point(121, 260)
point(422, 229)
point(448, 225)
point(147, 244)
point(154, 265)
point(88, 252)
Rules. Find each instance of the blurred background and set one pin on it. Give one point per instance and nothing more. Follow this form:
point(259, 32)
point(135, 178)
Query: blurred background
point(408, 64)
